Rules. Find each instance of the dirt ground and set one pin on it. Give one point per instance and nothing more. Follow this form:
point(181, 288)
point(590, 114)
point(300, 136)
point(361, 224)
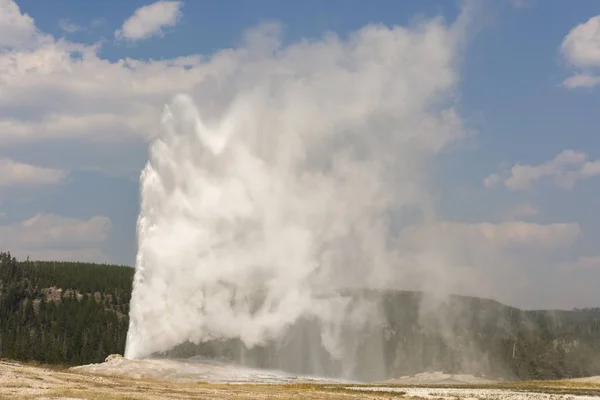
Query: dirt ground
point(28, 381)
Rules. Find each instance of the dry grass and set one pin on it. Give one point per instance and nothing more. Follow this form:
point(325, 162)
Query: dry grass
point(53, 367)
point(27, 381)
point(22, 381)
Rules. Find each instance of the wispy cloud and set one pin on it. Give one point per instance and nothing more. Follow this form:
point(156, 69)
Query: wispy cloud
point(150, 20)
point(54, 237)
point(69, 26)
point(521, 4)
point(567, 168)
point(50, 229)
point(97, 22)
point(17, 173)
point(581, 80)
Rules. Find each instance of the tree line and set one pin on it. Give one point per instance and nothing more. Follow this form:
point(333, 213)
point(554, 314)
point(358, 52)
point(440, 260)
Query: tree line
point(62, 312)
point(77, 313)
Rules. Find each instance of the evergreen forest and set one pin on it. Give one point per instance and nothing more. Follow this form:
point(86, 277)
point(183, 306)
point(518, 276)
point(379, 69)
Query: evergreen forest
point(72, 313)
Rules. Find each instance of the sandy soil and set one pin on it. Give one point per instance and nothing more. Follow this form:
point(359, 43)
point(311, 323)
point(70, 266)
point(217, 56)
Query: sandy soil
point(21, 381)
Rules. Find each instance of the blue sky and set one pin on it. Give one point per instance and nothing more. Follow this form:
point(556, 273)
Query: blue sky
point(513, 92)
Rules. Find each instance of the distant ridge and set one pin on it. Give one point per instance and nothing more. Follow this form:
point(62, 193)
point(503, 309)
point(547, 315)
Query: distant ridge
point(77, 313)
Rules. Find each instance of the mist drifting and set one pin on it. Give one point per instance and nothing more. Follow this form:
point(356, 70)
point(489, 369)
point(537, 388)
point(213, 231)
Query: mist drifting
point(286, 178)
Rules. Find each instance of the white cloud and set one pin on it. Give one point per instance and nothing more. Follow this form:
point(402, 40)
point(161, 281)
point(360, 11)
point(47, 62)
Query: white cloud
point(69, 26)
point(581, 49)
point(520, 4)
point(16, 29)
point(492, 181)
point(48, 236)
point(54, 88)
point(50, 90)
point(97, 22)
point(581, 46)
point(148, 21)
point(498, 235)
point(567, 168)
point(65, 90)
point(17, 173)
point(581, 80)
point(50, 229)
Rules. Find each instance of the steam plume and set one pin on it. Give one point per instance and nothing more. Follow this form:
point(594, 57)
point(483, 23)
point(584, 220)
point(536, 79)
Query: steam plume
point(285, 179)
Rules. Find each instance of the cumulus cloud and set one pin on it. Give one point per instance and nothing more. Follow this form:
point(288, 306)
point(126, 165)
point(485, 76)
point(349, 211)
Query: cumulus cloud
point(149, 21)
point(56, 89)
point(16, 29)
point(17, 173)
point(567, 168)
point(580, 46)
point(581, 50)
point(49, 236)
point(65, 90)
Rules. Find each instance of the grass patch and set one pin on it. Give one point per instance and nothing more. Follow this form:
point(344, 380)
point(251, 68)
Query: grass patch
point(16, 385)
point(91, 395)
point(52, 367)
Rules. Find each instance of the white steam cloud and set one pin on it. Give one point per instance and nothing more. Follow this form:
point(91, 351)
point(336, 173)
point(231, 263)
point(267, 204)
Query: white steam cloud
point(285, 178)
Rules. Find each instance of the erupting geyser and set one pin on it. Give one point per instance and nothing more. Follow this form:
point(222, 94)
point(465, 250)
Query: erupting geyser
point(283, 179)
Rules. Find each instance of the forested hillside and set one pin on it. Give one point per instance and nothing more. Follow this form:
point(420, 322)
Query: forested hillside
point(57, 312)
point(456, 335)
point(77, 313)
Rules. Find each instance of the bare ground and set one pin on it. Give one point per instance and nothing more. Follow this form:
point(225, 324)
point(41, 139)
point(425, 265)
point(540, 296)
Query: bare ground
point(27, 381)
